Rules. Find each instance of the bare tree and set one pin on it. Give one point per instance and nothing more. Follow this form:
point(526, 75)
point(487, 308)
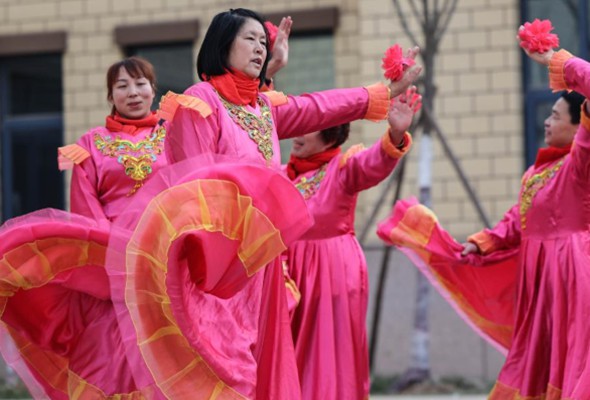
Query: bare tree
point(433, 17)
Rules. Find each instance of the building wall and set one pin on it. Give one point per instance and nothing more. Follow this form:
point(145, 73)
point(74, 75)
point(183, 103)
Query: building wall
point(478, 106)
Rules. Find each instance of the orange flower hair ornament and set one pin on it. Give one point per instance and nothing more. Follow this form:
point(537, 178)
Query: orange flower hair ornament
point(272, 33)
point(394, 63)
point(535, 37)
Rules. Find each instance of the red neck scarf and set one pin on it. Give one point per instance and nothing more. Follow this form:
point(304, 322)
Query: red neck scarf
point(549, 154)
point(297, 166)
point(236, 87)
point(116, 123)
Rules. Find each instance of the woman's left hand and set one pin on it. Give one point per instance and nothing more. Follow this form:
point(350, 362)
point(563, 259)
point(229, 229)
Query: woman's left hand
point(280, 51)
point(401, 112)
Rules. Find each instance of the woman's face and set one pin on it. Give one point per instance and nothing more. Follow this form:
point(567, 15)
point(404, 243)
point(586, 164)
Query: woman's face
point(308, 145)
point(248, 51)
point(132, 97)
point(559, 129)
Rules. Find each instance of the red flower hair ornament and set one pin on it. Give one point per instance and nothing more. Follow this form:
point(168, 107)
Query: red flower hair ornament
point(394, 63)
point(272, 33)
point(535, 37)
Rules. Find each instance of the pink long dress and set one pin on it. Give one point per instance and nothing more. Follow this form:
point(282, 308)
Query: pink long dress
point(329, 269)
point(542, 299)
point(61, 332)
point(236, 334)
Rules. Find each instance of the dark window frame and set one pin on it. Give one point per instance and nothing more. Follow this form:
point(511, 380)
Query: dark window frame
point(533, 97)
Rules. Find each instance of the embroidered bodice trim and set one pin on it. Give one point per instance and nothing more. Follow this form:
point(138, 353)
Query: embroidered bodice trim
point(136, 158)
point(532, 186)
point(309, 186)
point(259, 128)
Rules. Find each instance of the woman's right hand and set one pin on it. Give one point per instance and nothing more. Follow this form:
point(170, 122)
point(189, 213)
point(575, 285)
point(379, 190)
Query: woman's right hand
point(409, 76)
point(469, 248)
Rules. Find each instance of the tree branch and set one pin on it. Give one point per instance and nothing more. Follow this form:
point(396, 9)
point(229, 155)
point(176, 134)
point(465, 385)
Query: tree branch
point(404, 23)
point(446, 20)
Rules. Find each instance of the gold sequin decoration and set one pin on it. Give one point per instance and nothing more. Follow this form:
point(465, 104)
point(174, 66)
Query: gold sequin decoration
point(532, 187)
point(259, 128)
point(309, 186)
point(136, 158)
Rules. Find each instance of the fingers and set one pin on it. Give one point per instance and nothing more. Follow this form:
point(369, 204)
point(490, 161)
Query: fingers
point(413, 52)
point(285, 25)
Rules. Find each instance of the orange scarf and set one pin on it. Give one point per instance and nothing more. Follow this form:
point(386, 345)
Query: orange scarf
point(236, 87)
point(549, 154)
point(116, 123)
point(298, 166)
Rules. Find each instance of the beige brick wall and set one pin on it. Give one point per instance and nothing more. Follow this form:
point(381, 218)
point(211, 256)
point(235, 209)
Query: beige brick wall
point(478, 106)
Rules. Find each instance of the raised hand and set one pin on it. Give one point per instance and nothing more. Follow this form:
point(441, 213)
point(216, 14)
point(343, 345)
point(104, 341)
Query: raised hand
point(401, 112)
point(280, 50)
point(410, 75)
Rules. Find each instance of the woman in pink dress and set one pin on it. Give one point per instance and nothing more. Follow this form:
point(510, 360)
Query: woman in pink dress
point(61, 332)
point(533, 296)
point(228, 331)
point(327, 264)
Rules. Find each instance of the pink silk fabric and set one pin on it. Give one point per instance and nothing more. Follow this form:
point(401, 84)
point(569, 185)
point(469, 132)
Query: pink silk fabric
point(329, 269)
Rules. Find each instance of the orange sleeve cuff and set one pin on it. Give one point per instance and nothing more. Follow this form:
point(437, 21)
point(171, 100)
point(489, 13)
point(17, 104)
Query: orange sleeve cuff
point(483, 241)
point(70, 155)
point(379, 96)
point(276, 98)
point(556, 70)
point(392, 150)
point(171, 101)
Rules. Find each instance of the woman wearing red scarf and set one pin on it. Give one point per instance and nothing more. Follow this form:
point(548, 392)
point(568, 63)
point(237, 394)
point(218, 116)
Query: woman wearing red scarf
point(525, 284)
point(202, 328)
point(327, 264)
point(61, 333)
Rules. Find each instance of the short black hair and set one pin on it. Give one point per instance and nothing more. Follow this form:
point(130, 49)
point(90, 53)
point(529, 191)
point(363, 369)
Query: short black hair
point(575, 101)
point(213, 58)
point(337, 134)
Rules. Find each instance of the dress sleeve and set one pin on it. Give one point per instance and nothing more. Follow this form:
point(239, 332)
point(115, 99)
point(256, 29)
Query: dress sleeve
point(505, 235)
point(84, 193)
point(320, 110)
point(360, 170)
point(572, 73)
point(193, 128)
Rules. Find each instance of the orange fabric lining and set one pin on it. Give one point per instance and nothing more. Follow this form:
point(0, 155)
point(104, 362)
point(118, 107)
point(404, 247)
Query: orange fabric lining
point(70, 155)
point(379, 98)
point(38, 263)
point(171, 101)
point(501, 391)
point(276, 98)
point(556, 68)
point(414, 230)
point(210, 205)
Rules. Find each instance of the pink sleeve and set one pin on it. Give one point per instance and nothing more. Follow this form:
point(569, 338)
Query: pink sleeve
point(505, 235)
point(189, 134)
point(576, 74)
point(84, 198)
point(320, 110)
point(365, 169)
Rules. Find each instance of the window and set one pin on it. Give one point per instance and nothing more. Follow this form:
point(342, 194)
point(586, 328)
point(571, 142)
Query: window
point(173, 64)
point(31, 127)
point(570, 19)
point(168, 46)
